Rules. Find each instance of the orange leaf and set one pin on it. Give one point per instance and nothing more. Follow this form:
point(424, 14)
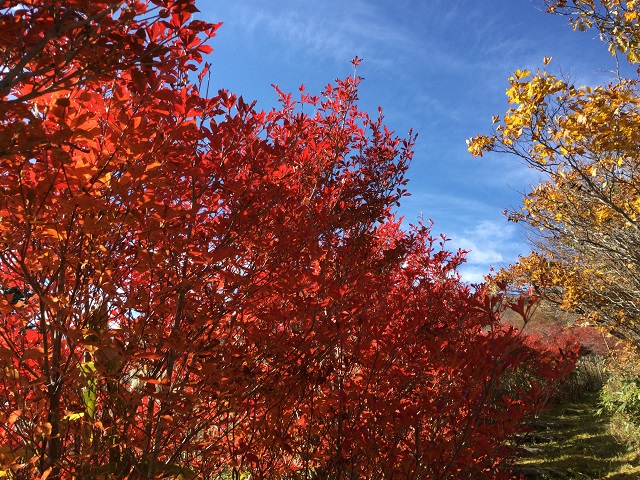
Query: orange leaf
point(14, 416)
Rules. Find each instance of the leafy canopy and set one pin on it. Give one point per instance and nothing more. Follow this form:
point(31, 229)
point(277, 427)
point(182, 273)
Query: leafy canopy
point(585, 143)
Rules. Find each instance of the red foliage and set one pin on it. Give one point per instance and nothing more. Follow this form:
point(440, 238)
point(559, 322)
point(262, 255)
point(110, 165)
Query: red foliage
point(586, 339)
point(193, 286)
point(552, 352)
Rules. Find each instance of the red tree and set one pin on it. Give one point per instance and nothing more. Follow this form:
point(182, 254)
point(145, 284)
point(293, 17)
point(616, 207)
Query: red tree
point(193, 287)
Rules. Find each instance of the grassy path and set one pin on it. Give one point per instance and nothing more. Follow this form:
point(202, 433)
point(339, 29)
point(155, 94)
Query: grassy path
point(571, 441)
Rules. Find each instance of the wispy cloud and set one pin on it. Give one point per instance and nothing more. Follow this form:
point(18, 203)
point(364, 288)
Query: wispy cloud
point(316, 29)
point(490, 244)
point(485, 241)
point(477, 228)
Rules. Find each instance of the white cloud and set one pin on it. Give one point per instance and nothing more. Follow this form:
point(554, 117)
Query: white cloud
point(485, 241)
point(471, 225)
point(474, 275)
point(317, 30)
point(490, 244)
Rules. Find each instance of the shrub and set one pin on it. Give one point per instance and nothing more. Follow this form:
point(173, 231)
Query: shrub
point(620, 395)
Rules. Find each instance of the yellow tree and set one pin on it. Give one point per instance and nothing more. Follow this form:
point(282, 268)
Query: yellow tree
point(585, 141)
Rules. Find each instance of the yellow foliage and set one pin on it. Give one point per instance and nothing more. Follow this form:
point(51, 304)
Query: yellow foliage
point(586, 142)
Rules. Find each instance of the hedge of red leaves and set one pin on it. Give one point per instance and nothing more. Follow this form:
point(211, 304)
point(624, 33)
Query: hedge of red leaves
point(196, 288)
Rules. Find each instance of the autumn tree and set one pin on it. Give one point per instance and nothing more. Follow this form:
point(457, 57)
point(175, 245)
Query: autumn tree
point(195, 288)
point(584, 142)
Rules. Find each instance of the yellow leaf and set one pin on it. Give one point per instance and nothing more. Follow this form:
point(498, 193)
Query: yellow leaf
point(72, 417)
point(520, 74)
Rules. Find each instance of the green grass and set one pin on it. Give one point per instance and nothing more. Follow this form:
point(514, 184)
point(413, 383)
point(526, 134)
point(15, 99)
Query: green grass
point(571, 441)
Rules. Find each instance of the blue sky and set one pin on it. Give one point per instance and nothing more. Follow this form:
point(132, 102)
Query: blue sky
point(437, 66)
